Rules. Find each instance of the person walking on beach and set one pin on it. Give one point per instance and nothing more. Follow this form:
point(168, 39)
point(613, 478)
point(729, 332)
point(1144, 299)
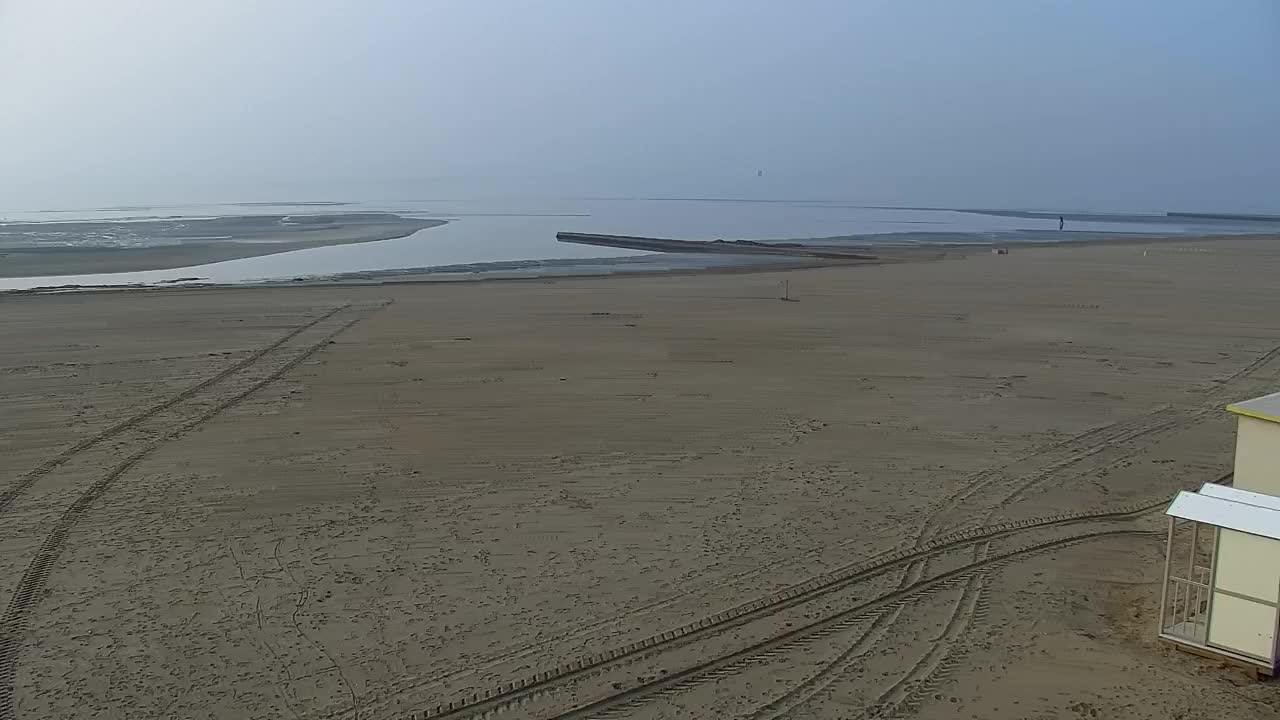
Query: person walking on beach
point(1061, 222)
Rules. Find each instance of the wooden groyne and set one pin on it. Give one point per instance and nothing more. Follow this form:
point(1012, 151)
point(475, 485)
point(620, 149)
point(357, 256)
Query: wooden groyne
point(721, 247)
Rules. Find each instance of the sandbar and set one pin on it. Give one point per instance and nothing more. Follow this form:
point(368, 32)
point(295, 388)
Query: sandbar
point(80, 248)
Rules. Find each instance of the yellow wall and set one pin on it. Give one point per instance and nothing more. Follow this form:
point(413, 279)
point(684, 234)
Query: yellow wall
point(1258, 456)
point(1242, 626)
point(1246, 565)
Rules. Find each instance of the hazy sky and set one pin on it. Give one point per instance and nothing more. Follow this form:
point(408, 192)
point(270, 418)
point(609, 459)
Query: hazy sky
point(1114, 104)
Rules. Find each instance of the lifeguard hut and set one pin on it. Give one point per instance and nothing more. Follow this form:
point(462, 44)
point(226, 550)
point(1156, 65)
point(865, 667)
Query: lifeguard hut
point(1221, 592)
point(1258, 444)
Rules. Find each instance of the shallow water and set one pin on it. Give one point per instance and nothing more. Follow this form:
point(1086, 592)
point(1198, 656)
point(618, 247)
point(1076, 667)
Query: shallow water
point(501, 231)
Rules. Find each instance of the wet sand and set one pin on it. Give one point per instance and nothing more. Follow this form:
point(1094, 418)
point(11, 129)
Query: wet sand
point(671, 496)
point(82, 248)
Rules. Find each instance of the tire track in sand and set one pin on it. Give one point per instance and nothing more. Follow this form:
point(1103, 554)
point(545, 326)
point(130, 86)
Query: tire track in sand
point(242, 382)
point(1064, 452)
point(709, 669)
point(969, 607)
point(515, 694)
point(1060, 455)
point(936, 663)
point(10, 493)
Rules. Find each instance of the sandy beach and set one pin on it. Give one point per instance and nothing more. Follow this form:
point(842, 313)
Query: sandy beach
point(79, 248)
point(924, 489)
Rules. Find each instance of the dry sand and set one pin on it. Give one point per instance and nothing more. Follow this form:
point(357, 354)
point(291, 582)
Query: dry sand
point(309, 503)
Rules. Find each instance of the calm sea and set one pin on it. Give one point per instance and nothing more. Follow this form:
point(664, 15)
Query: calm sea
point(511, 230)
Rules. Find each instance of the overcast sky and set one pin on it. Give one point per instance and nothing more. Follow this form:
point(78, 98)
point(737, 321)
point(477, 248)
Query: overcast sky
point(1112, 104)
